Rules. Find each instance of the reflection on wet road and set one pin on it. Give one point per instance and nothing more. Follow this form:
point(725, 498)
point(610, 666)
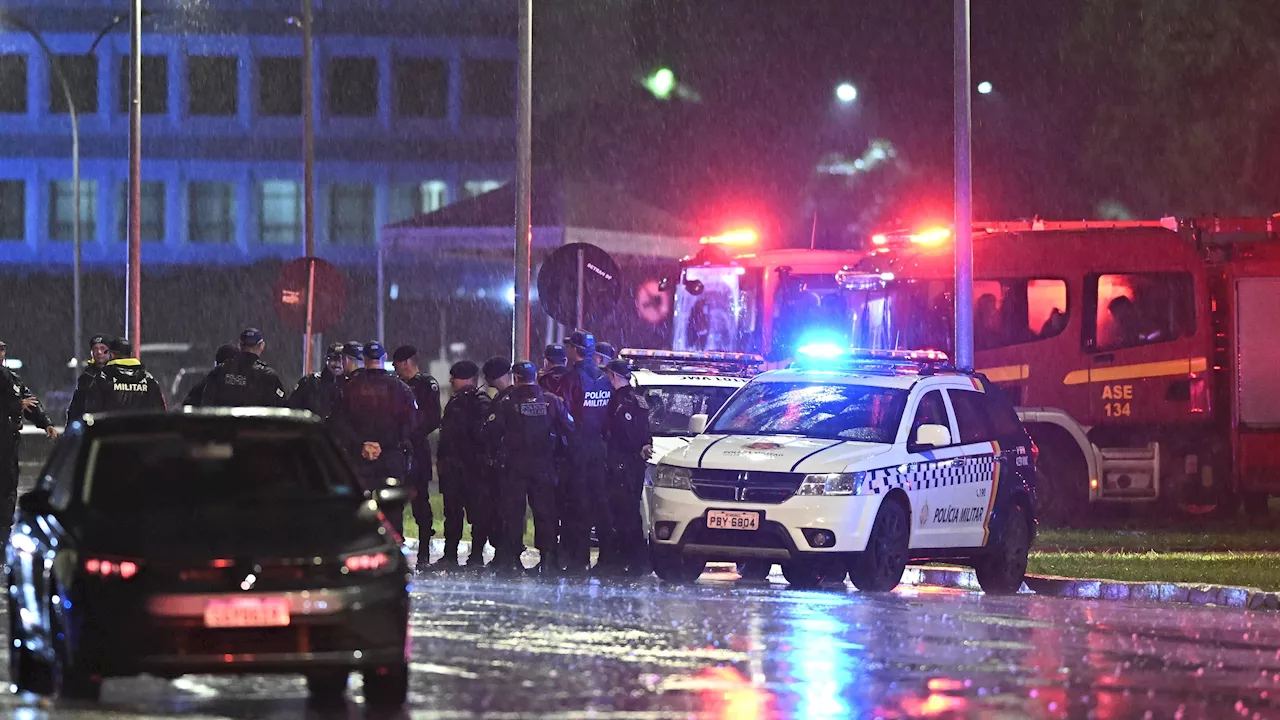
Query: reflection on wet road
point(718, 650)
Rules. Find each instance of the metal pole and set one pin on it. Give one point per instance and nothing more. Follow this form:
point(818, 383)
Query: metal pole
point(524, 183)
point(382, 296)
point(964, 191)
point(134, 290)
point(308, 176)
point(582, 268)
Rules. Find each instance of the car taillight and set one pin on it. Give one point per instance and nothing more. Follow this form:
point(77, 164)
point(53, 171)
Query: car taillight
point(366, 563)
point(123, 569)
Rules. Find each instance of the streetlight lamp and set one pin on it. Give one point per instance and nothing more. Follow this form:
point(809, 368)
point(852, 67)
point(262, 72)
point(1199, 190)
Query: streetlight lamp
point(985, 88)
point(846, 93)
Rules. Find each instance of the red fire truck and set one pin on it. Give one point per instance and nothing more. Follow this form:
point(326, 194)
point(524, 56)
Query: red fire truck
point(1141, 354)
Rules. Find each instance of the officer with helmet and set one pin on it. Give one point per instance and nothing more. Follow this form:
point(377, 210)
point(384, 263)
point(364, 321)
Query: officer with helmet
point(586, 392)
point(628, 440)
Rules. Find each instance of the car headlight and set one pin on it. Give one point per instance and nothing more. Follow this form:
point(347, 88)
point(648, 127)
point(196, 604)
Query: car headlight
point(832, 484)
point(670, 476)
point(650, 470)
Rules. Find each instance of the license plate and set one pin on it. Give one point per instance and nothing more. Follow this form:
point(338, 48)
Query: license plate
point(727, 520)
point(247, 612)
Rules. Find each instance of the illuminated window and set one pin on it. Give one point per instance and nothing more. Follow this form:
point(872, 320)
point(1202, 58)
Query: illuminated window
point(61, 215)
point(1140, 309)
point(473, 188)
point(412, 199)
point(280, 212)
point(1012, 312)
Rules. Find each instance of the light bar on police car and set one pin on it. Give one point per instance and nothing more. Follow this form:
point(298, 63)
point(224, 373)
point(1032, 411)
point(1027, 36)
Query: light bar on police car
point(686, 356)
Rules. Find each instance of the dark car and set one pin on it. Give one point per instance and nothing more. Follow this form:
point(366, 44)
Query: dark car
point(208, 541)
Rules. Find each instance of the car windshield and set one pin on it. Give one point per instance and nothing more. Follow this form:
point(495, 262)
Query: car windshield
point(671, 406)
point(823, 410)
point(173, 470)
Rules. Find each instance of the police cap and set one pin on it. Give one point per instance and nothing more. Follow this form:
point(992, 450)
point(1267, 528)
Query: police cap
point(251, 336)
point(495, 367)
point(555, 353)
point(353, 349)
point(582, 340)
point(373, 350)
point(334, 352)
point(225, 353)
point(525, 372)
point(607, 350)
point(121, 348)
point(620, 367)
point(404, 352)
point(464, 370)
point(99, 340)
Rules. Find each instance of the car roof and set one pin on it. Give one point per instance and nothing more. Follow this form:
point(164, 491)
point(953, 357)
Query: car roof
point(691, 379)
point(188, 418)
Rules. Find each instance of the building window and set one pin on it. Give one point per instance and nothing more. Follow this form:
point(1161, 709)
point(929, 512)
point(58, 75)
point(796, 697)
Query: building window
point(489, 88)
point(280, 86)
point(13, 84)
point(61, 215)
point(155, 85)
point(212, 85)
point(212, 212)
point(353, 86)
point(422, 87)
point(81, 72)
point(473, 188)
point(13, 210)
point(153, 228)
point(351, 215)
point(409, 200)
point(280, 212)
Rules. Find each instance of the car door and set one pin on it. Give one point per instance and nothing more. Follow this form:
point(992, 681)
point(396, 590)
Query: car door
point(928, 470)
point(977, 471)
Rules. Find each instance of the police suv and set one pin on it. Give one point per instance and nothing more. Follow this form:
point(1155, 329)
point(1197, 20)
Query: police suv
point(856, 463)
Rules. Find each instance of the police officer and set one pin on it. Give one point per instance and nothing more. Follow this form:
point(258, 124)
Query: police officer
point(352, 358)
point(461, 460)
point(124, 384)
point(244, 380)
point(10, 405)
point(372, 419)
point(586, 391)
point(224, 353)
point(605, 354)
point(531, 425)
point(555, 363)
point(315, 392)
point(497, 376)
point(427, 393)
point(628, 439)
point(99, 356)
point(32, 411)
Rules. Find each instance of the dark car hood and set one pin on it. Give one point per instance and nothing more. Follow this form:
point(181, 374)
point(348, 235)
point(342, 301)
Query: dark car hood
point(180, 534)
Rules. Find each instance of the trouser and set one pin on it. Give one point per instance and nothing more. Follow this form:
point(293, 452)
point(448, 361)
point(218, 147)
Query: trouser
point(420, 481)
point(8, 480)
point(584, 491)
point(467, 497)
point(534, 486)
point(625, 488)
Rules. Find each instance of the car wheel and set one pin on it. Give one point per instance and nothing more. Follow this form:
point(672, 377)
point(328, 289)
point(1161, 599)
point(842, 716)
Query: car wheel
point(814, 572)
point(1001, 570)
point(28, 671)
point(879, 568)
point(675, 568)
point(327, 688)
point(386, 687)
point(754, 570)
point(70, 680)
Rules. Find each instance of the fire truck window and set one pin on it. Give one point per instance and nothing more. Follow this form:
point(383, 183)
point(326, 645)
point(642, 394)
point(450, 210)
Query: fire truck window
point(1141, 309)
point(988, 315)
point(1046, 308)
point(971, 417)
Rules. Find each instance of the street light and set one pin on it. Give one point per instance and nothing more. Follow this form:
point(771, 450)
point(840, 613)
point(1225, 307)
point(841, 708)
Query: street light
point(985, 88)
point(846, 93)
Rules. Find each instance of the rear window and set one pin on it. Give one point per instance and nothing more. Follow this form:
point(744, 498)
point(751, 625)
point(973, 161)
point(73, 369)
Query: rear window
point(169, 470)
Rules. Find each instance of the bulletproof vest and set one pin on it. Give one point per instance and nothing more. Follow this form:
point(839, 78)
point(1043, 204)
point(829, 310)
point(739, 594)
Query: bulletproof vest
point(529, 423)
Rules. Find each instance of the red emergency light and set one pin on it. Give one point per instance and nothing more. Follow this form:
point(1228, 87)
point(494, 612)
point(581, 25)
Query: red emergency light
point(744, 236)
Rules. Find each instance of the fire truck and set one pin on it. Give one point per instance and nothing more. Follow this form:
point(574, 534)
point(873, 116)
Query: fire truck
point(1142, 355)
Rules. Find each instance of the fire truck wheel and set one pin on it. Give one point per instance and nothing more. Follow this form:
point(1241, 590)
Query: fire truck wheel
point(1057, 504)
point(1001, 570)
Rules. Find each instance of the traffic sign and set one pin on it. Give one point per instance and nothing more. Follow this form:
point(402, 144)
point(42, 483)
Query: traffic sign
point(558, 285)
point(290, 295)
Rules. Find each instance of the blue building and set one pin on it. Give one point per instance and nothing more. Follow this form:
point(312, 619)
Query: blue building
point(414, 108)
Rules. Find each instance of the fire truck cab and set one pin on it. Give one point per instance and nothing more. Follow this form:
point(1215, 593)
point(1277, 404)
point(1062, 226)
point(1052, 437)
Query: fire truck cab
point(1141, 355)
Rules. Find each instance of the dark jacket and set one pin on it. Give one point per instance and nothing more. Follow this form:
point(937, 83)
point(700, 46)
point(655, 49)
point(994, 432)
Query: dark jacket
point(10, 396)
point(626, 429)
point(462, 445)
point(124, 384)
point(528, 423)
point(243, 381)
point(34, 414)
point(426, 391)
point(373, 406)
point(76, 409)
point(586, 392)
point(552, 380)
point(316, 392)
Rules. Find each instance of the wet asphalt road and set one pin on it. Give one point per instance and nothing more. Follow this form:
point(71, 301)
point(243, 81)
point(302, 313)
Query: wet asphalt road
point(720, 649)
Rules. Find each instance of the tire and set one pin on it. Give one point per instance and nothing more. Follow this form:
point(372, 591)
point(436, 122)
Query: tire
point(1058, 504)
point(327, 688)
point(28, 671)
point(879, 568)
point(674, 568)
point(754, 570)
point(1002, 569)
point(70, 680)
point(386, 688)
point(807, 573)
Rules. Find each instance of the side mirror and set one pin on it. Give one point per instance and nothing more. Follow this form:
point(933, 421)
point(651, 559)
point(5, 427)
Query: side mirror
point(698, 424)
point(933, 436)
point(394, 494)
point(35, 502)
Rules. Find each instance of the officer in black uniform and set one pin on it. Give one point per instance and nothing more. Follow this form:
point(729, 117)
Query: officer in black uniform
point(586, 391)
point(244, 380)
point(352, 358)
point(99, 356)
point(124, 384)
point(195, 397)
point(628, 440)
point(530, 424)
point(605, 354)
point(32, 411)
point(10, 406)
point(497, 376)
point(555, 366)
point(372, 419)
point(461, 460)
point(315, 392)
point(427, 393)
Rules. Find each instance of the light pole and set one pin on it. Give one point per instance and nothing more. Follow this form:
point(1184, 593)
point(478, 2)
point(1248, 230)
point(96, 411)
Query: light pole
point(309, 182)
point(964, 190)
point(520, 340)
point(133, 289)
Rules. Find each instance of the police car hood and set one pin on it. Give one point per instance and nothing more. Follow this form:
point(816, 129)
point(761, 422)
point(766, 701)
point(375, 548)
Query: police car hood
point(774, 453)
point(663, 445)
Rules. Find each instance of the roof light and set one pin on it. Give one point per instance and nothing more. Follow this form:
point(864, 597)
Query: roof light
point(821, 350)
point(933, 236)
point(734, 237)
point(879, 240)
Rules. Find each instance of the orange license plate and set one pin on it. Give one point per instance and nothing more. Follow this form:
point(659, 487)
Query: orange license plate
point(247, 613)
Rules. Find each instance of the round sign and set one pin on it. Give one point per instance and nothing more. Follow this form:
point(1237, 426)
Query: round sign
point(652, 303)
point(289, 294)
point(558, 285)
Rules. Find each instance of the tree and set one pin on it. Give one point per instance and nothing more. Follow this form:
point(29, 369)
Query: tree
point(1186, 111)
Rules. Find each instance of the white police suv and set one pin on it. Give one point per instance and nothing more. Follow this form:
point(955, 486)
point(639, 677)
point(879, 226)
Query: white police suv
point(857, 464)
